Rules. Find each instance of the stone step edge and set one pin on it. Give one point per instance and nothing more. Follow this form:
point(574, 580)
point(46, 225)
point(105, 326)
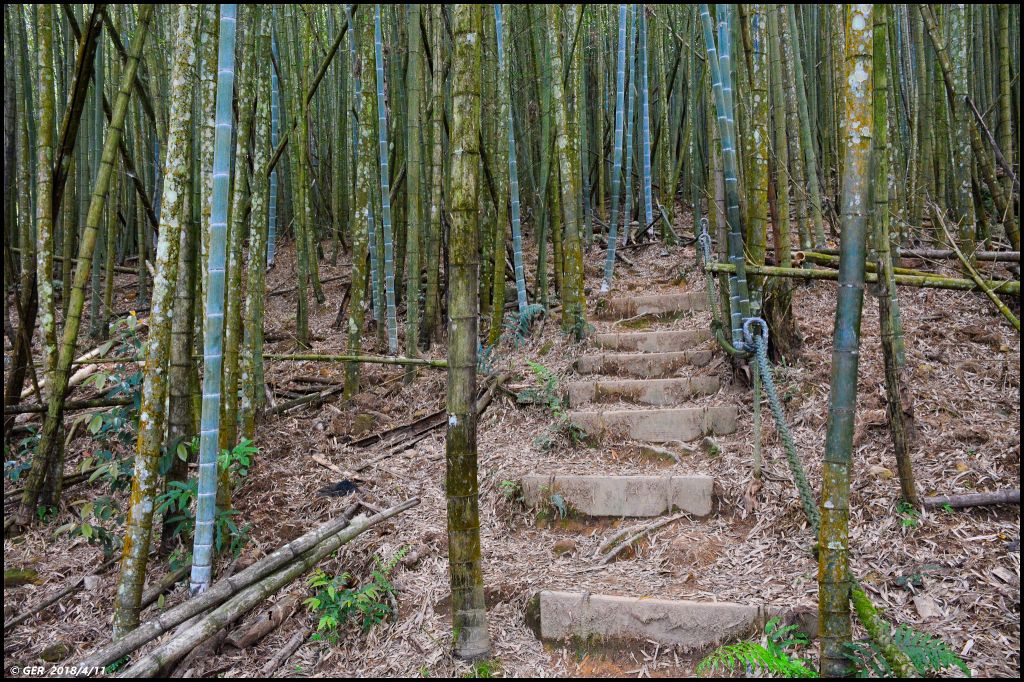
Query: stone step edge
point(601, 620)
point(620, 496)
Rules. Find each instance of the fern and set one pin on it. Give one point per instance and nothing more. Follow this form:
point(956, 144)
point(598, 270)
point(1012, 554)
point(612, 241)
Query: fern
point(770, 657)
point(928, 654)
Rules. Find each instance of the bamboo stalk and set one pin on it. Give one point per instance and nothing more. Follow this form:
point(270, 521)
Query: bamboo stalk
point(219, 592)
point(921, 281)
point(981, 284)
point(244, 600)
point(70, 405)
point(973, 499)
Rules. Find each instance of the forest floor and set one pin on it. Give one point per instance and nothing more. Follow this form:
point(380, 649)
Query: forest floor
point(955, 575)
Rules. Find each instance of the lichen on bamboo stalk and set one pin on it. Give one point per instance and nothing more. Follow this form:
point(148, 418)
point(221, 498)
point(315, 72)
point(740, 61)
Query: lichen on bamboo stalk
point(834, 581)
point(469, 616)
point(152, 411)
point(76, 301)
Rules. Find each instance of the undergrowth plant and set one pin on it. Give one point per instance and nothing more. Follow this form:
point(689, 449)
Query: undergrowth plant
point(773, 655)
point(929, 655)
point(177, 503)
point(336, 603)
point(549, 394)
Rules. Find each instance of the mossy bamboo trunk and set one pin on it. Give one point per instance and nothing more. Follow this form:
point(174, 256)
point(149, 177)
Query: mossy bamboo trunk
point(152, 412)
point(54, 415)
point(834, 580)
point(469, 616)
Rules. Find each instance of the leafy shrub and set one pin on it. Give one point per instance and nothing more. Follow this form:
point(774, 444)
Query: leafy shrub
point(336, 603)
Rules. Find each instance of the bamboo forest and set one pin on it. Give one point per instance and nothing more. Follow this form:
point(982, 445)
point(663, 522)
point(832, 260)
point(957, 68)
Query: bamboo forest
point(521, 340)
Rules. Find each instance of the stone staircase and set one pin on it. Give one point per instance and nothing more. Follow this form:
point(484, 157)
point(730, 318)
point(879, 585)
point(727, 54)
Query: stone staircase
point(658, 376)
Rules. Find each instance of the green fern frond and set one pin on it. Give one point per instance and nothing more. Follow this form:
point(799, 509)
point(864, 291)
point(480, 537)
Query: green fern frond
point(752, 657)
point(928, 654)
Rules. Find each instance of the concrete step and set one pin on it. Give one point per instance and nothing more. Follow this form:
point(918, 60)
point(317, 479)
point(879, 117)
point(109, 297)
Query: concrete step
point(652, 342)
point(643, 365)
point(658, 392)
point(658, 426)
point(605, 620)
point(658, 305)
point(622, 495)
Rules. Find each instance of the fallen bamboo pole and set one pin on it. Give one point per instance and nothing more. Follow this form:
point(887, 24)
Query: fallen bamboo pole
point(973, 499)
point(247, 598)
point(218, 593)
point(28, 408)
point(943, 254)
point(827, 259)
point(1010, 317)
point(300, 357)
point(1011, 288)
point(379, 359)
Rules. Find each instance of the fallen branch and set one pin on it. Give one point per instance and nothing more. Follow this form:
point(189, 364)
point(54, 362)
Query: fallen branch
point(1010, 317)
point(311, 399)
point(926, 282)
point(28, 408)
point(244, 600)
point(218, 592)
point(632, 539)
point(285, 652)
point(378, 359)
point(49, 601)
point(268, 621)
point(973, 499)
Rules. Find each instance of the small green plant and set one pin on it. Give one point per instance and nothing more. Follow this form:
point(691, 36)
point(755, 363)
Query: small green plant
point(336, 602)
point(518, 325)
point(46, 513)
point(177, 503)
point(484, 670)
point(94, 518)
point(909, 516)
point(547, 393)
point(484, 361)
point(15, 468)
point(929, 655)
point(238, 460)
point(773, 655)
point(511, 490)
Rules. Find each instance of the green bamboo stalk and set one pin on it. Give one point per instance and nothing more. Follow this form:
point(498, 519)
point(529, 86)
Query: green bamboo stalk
point(44, 187)
point(202, 550)
point(899, 402)
point(152, 412)
point(385, 192)
point(807, 146)
point(645, 114)
point(568, 165)
point(414, 191)
point(251, 366)
point(834, 580)
point(757, 185)
point(362, 228)
point(630, 126)
point(720, 60)
point(1006, 128)
point(53, 419)
point(469, 616)
point(431, 303)
point(246, 73)
point(505, 89)
point(620, 89)
point(275, 133)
